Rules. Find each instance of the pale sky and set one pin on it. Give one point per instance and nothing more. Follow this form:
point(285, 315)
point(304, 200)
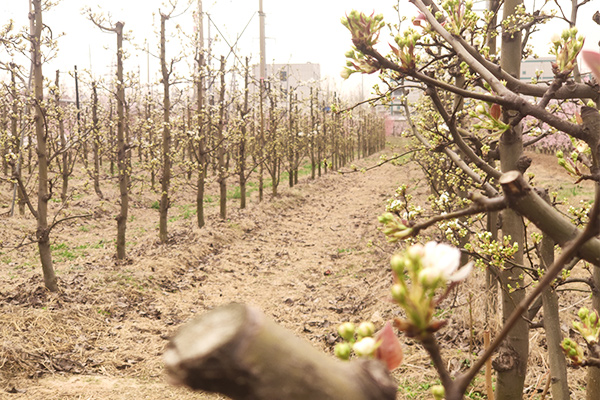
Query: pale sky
point(297, 32)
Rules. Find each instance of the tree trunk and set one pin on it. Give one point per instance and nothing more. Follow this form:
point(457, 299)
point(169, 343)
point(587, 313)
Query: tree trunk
point(42, 232)
point(222, 169)
point(591, 119)
point(235, 350)
point(511, 363)
point(15, 148)
point(244, 139)
point(559, 384)
point(96, 141)
point(261, 142)
point(201, 142)
point(311, 136)
point(165, 179)
point(64, 157)
point(121, 148)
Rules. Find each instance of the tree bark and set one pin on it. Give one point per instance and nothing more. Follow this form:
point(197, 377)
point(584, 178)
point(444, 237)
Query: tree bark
point(64, 157)
point(242, 152)
point(96, 141)
point(165, 179)
point(222, 169)
point(559, 384)
point(235, 350)
point(44, 195)
point(121, 148)
point(511, 364)
point(200, 109)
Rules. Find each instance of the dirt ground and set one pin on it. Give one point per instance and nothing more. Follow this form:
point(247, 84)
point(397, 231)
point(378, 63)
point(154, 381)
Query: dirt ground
point(310, 258)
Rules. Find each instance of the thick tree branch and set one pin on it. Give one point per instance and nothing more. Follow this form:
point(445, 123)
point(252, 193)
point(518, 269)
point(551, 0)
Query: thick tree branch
point(237, 351)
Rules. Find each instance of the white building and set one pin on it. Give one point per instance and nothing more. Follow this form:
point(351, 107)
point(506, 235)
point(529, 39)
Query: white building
point(530, 66)
point(297, 77)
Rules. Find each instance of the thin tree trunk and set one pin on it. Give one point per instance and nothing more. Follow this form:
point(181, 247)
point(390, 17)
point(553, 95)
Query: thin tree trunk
point(201, 149)
point(244, 140)
point(43, 231)
point(511, 363)
point(64, 158)
point(311, 136)
point(222, 169)
point(261, 143)
point(559, 384)
point(15, 147)
point(166, 135)
point(96, 141)
point(122, 161)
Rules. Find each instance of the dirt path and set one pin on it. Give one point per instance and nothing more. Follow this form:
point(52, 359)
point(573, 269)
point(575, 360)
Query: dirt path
point(310, 258)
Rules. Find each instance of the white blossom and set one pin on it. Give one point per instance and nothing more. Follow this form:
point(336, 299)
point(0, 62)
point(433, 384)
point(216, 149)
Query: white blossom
point(441, 262)
point(365, 346)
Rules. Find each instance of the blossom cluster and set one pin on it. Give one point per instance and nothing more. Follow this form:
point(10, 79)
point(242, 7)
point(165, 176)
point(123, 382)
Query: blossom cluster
point(566, 47)
point(428, 268)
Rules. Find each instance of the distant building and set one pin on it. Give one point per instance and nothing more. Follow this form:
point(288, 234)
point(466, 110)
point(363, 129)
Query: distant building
point(299, 77)
point(395, 119)
point(530, 66)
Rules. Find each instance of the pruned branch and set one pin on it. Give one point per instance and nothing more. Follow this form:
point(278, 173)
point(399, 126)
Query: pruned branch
point(235, 350)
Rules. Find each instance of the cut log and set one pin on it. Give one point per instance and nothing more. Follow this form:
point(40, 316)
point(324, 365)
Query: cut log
point(237, 351)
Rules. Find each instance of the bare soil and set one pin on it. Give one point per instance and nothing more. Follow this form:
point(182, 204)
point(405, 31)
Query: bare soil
point(310, 258)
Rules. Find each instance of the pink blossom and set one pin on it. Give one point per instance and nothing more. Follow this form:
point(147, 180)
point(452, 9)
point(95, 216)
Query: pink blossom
point(592, 59)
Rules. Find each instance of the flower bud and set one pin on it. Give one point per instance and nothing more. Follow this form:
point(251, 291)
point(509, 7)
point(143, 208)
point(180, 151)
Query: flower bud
point(593, 318)
point(429, 277)
point(399, 293)
point(365, 329)
point(342, 350)
point(346, 72)
point(385, 218)
point(398, 264)
point(583, 313)
point(403, 233)
point(416, 251)
point(438, 392)
point(346, 330)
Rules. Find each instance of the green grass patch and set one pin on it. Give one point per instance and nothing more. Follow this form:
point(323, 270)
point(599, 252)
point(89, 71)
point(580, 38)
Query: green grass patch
point(84, 228)
point(61, 252)
point(235, 193)
point(573, 190)
point(341, 251)
point(102, 243)
point(188, 211)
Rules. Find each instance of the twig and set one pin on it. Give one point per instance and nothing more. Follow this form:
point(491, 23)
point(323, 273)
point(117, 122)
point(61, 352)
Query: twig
point(381, 163)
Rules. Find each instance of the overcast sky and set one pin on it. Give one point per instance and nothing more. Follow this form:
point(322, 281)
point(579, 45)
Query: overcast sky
point(297, 31)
